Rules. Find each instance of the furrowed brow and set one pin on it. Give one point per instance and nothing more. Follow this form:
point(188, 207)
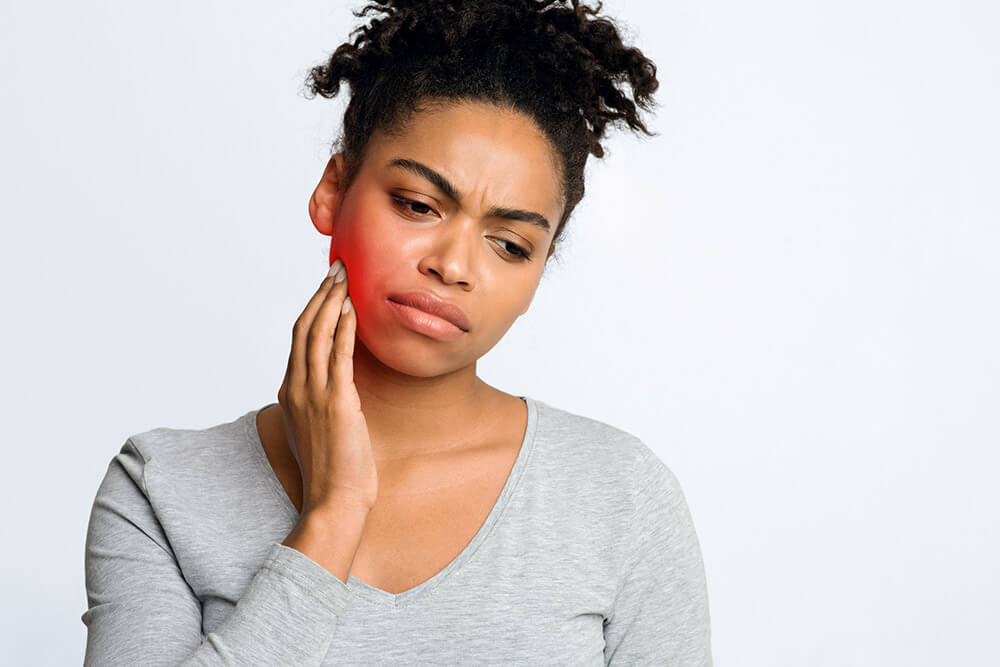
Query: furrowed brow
point(449, 189)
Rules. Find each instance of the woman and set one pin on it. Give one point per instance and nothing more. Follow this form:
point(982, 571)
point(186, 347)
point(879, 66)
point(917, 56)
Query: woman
point(392, 508)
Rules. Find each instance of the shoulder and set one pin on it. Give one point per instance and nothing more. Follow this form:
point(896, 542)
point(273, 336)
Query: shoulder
point(180, 460)
point(166, 447)
point(576, 437)
point(603, 479)
point(579, 447)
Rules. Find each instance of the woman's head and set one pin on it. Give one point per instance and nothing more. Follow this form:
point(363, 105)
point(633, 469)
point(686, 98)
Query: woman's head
point(556, 62)
point(464, 145)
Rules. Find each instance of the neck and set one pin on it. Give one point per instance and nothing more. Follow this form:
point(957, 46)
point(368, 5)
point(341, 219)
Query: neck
point(410, 416)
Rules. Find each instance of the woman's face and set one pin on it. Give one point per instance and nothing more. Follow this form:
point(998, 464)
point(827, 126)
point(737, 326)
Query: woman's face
point(419, 217)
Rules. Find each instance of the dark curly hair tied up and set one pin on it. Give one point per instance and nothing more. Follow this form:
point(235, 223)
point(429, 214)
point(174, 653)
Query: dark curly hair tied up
point(554, 61)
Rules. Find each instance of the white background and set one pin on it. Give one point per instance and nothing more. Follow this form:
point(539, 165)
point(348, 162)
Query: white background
point(791, 294)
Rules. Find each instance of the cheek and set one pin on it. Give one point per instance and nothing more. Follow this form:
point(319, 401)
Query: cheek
point(368, 276)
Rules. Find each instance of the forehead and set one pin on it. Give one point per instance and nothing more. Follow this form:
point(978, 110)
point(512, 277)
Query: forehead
point(494, 156)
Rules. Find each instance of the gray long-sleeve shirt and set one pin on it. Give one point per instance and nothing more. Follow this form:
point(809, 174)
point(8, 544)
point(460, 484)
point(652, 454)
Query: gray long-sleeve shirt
point(589, 557)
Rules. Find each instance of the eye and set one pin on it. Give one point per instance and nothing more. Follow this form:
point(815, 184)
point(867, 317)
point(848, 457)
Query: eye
point(406, 204)
point(517, 252)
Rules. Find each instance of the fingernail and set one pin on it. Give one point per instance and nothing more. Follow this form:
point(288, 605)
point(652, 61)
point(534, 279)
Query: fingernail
point(341, 274)
point(347, 306)
point(335, 267)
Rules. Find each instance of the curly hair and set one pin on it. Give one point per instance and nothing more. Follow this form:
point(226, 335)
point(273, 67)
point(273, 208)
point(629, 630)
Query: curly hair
point(547, 59)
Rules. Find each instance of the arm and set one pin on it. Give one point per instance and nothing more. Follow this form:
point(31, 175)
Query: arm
point(141, 610)
point(661, 613)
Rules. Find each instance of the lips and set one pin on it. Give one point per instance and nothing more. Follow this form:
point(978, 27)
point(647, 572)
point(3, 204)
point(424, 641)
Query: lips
point(434, 305)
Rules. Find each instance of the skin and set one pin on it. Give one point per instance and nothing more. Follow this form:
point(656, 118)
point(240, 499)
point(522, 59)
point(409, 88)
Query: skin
point(421, 396)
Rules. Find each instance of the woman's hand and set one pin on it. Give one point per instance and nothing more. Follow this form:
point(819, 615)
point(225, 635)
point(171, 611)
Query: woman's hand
point(324, 425)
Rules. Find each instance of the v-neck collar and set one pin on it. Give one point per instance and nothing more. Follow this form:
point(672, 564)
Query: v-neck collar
point(377, 595)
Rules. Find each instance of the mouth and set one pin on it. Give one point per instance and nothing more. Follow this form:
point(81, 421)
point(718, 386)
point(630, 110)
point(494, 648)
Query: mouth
point(425, 323)
point(432, 305)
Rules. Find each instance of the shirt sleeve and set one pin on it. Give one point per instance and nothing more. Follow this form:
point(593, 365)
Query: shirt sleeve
point(141, 609)
point(660, 616)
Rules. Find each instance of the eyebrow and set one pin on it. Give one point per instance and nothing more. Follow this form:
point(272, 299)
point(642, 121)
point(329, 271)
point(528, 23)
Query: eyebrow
point(449, 189)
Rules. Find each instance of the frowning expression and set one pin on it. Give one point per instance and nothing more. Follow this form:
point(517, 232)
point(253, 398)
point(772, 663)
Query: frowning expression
point(462, 205)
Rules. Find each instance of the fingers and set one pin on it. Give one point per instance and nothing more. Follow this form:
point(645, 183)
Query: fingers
point(321, 335)
point(298, 368)
point(342, 355)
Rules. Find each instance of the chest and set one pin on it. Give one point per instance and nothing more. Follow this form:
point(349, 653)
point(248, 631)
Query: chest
point(427, 512)
point(410, 537)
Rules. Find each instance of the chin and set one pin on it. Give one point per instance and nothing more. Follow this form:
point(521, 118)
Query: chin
point(411, 358)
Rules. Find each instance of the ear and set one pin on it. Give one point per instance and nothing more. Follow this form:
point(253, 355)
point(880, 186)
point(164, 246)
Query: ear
point(325, 200)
